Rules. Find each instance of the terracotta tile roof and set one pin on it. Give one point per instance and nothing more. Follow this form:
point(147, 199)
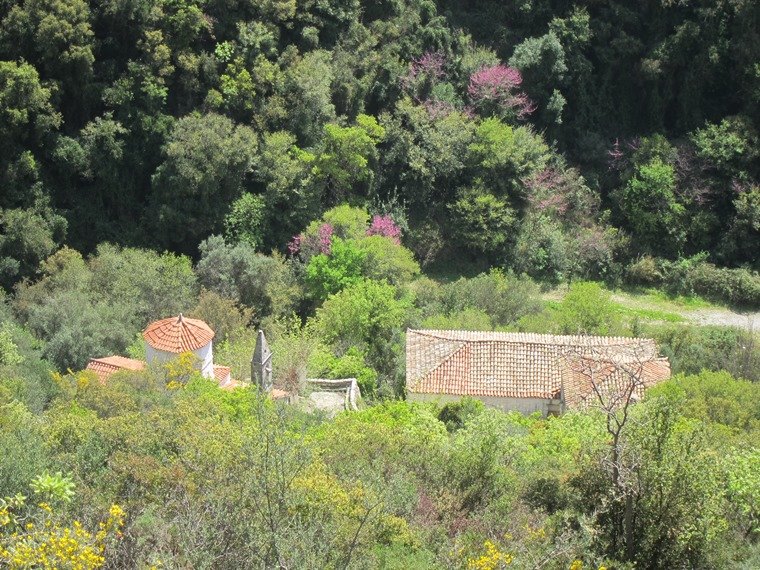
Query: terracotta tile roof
point(221, 374)
point(178, 334)
point(587, 382)
point(108, 365)
point(506, 365)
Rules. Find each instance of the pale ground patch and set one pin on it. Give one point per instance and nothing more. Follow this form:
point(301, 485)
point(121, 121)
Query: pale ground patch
point(725, 318)
point(655, 306)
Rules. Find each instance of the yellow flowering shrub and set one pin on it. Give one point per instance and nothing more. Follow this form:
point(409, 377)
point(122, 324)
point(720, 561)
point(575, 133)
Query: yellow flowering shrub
point(180, 370)
point(349, 508)
point(492, 558)
point(38, 540)
point(73, 383)
point(578, 565)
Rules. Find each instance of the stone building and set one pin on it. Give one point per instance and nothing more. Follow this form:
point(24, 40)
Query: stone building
point(528, 372)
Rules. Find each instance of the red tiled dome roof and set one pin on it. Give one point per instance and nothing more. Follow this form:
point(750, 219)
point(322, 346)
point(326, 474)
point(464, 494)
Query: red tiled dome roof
point(178, 334)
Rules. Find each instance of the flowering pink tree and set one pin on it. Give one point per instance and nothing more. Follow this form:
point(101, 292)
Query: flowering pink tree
point(384, 226)
point(497, 86)
point(423, 74)
point(429, 66)
point(562, 194)
point(546, 191)
point(312, 244)
point(616, 156)
point(294, 245)
point(324, 238)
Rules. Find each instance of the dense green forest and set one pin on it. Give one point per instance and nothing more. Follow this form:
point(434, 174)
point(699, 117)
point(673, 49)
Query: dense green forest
point(334, 172)
point(559, 140)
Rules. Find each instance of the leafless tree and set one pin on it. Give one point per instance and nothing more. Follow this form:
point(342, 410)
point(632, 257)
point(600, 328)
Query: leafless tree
point(612, 379)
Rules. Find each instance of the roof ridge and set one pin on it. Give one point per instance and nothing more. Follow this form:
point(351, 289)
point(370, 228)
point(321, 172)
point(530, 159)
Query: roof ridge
point(525, 338)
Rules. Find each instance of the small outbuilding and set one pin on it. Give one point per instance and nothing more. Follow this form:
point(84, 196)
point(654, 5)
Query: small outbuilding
point(108, 365)
point(527, 372)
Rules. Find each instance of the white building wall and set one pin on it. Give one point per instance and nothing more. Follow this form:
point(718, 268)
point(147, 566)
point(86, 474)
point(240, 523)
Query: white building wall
point(204, 354)
point(523, 405)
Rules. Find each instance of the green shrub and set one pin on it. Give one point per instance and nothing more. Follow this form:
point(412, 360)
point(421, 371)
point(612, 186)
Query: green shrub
point(469, 319)
point(735, 286)
point(324, 364)
point(504, 297)
point(595, 250)
point(265, 283)
point(428, 296)
point(716, 397)
point(244, 222)
point(651, 205)
point(588, 309)
point(292, 348)
point(226, 317)
point(483, 223)
point(455, 415)
point(347, 221)
point(22, 453)
point(360, 312)
point(425, 241)
point(386, 260)
point(743, 492)
point(327, 274)
point(23, 373)
point(645, 271)
point(692, 349)
point(541, 250)
point(547, 493)
point(695, 276)
point(95, 307)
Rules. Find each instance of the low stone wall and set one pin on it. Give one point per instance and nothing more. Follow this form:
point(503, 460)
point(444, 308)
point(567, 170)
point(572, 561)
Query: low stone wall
point(348, 386)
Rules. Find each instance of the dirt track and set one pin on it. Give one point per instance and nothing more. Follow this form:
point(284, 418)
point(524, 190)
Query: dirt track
point(724, 317)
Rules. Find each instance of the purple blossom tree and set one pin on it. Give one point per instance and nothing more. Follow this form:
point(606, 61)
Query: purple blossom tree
point(309, 245)
point(424, 72)
point(562, 194)
point(438, 109)
point(616, 156)
point(324, 238)
point(429, 65)
point(384, 226)
point(294, 245)
point(497, 85)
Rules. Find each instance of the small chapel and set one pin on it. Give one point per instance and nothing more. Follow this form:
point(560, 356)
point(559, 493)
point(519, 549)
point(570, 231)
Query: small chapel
point(165, 340)
point(168, 338)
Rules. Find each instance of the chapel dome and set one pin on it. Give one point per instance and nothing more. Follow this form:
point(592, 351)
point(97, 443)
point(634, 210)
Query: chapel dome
point(178, 334)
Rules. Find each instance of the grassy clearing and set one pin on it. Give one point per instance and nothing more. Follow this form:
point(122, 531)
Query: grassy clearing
point(656, 298)
point(629, 308)
point(651, 304)
point(650, 315)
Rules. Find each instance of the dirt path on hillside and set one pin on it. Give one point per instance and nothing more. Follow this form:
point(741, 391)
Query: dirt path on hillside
point(725, 318)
